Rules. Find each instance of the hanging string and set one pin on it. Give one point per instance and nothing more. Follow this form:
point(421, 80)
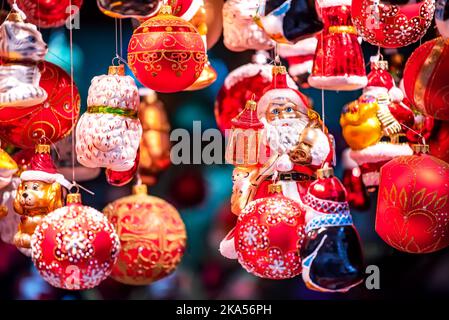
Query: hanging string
point(121, 38)
point(72, 93)
point(323, 110)
point(116, 37)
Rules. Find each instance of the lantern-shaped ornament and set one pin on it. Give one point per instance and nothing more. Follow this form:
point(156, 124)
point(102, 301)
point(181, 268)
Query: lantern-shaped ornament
point(166, 53)
point(108, 134)
point(412, 208)
point(75, 247)
point(391, 25)
point(152, 235)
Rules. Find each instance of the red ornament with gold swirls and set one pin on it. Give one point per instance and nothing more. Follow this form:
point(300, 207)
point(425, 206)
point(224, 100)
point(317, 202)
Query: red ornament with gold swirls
point(47, 13)
point(166, 53)
point(392, 25)
point(152, 235)
point(413, 207)
point(23, 127)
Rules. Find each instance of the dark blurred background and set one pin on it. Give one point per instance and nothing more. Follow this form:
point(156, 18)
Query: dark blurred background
point(202, 194)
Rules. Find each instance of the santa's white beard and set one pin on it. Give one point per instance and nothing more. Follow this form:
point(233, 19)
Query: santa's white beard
point(283, 134)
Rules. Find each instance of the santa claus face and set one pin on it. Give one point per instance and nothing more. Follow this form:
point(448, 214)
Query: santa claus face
point(283, 108)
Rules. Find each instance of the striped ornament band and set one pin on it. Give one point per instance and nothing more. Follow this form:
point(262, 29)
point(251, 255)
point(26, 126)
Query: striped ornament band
point(115, 111)
point(329, 220)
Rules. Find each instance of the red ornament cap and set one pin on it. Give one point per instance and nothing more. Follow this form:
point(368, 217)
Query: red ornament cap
point(379, 75)
point(42, 167)
point(247, 119)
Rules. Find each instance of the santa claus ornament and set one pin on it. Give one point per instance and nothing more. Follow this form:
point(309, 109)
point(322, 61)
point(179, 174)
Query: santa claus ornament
point(21, 49)
point(269, 236)
point(75, 247)
point(152, 235)
point(425, 82)
point(332, 257)
point(391, 25)
point(108, 134)
point(166, 53)
point(412, 207)
point(338, 63)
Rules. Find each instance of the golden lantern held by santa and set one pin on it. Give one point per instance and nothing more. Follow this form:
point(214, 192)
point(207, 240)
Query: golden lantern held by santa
point(152, 236)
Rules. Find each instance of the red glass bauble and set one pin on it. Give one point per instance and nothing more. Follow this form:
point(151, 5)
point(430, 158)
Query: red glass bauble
point(47, 13)
point(75, 247)
point(392, 25)
point(425, 79)
point(24, 127)
point(166, 53)
point(412, 207)
point(268, 237)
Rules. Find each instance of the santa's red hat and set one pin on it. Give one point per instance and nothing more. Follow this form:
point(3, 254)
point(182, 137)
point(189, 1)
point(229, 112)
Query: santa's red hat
point(380, 80)
point(278, 89)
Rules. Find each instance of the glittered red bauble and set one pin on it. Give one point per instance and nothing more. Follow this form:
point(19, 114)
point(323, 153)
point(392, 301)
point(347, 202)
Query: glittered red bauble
point(75, 247)
point(166, 53)
point(48, 13)
point(392, 25)
point(426, 82)
point(268, 237)
point(412, 207)
point(23, 127)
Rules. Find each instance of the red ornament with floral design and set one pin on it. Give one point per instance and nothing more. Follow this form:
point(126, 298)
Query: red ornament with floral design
point(75, 247)
point(269, 235)
point(426, 82)
point(152, 235)
point(413, 208)
point(166, 53)
point(54, 119)
point(392, 25)
point(48, 13)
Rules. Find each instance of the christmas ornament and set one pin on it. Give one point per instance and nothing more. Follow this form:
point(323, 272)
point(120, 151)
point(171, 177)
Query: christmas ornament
point(338, 63)
point(188, 189)
point(108, 134)
point(51, 120)
point(48, 13)
point(392, 25)
point(412, 210)
point(353, 182)
point(244, 83)
point(442, 17)
point(152, 235)
point(75, 247)
point(39, 192)
point(269, 237)
point(170, 60)
point(425, 82)
point(332, 257)
point(240, 32)
point(137, 9)
point(155, 143)
point(21, 49)
point(289, 21)
point(122, 178)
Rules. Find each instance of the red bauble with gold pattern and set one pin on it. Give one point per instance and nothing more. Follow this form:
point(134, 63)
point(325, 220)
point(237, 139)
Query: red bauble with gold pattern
point(48, 13)
point(413, 207)
point(392, 25)
point(24, 127)
point(152, 235)
point(166, 53)
point(75, 247)
point(426, 82)
point(268, 237)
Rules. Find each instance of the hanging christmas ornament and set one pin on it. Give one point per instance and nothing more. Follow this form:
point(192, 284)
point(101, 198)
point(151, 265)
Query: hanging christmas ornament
point(332, 257)
point(392, 25)
point(122, 178)
point(21, 50)
point(338, 63)
point(152, 235)
point(136, 9)
point(48, 13)
point(240, 32)
point(289, 21)
point(155, 143)
point(442, 17)
point(412, 212)
point(52, 119)
point(244, 83)
point(166, 53)
point(269, 236)
point(39, 192)
point(425, 81)
point(108, 134)
point(75, 247)
point(353, 182)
